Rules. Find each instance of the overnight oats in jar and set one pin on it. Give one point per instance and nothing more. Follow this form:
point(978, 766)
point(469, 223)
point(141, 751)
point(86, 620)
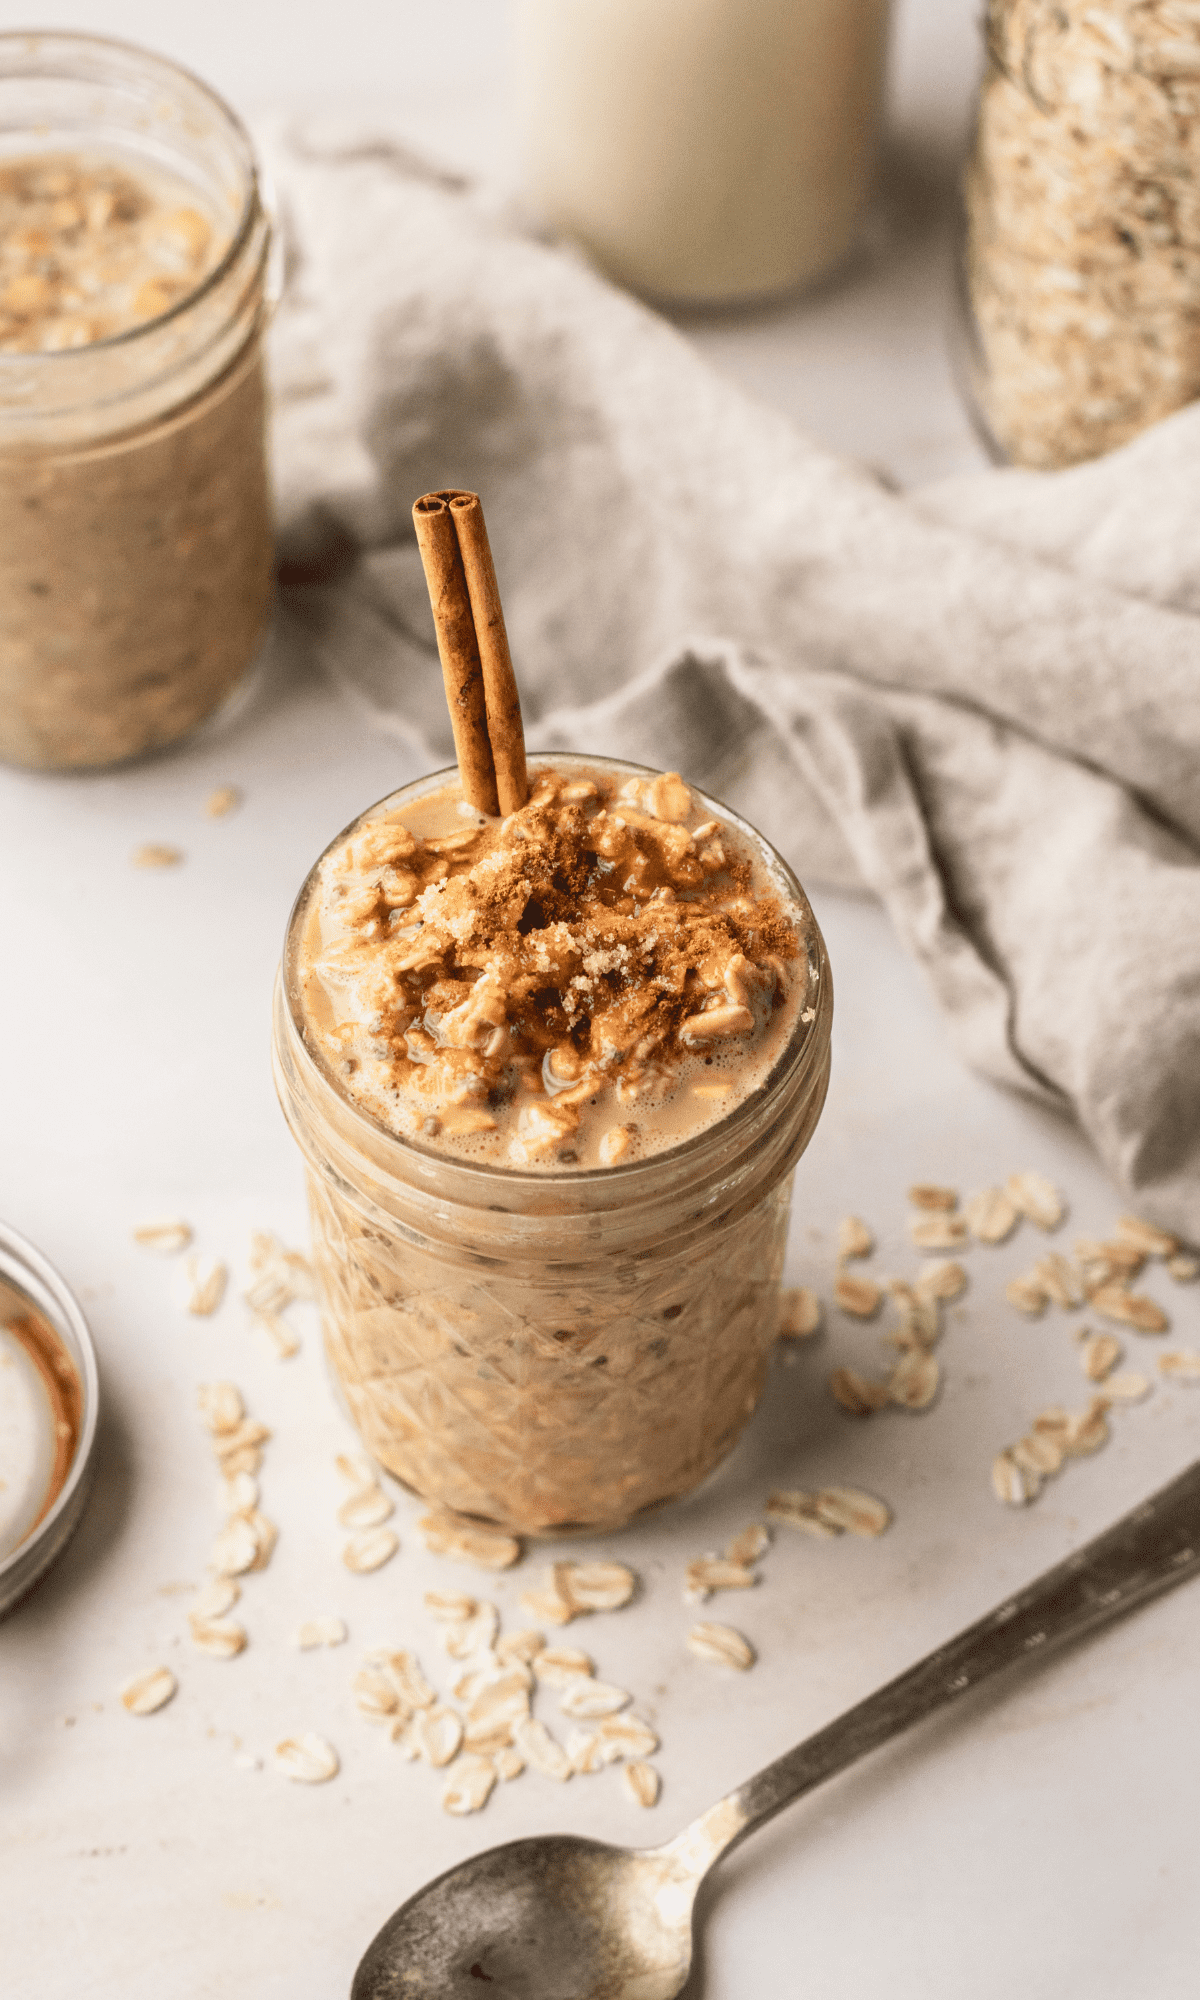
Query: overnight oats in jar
point(551, 1074)
point(136, 556)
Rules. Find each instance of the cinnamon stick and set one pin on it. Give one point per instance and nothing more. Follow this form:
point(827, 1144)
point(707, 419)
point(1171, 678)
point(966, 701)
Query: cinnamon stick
point(458, 650)
point(481, 688)
point(502, 701)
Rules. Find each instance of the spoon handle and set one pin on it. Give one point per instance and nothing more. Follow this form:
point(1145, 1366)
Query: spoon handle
point(1148, 1550)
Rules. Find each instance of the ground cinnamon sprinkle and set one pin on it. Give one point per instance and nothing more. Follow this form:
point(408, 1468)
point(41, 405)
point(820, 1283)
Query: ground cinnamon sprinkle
point(531, 976)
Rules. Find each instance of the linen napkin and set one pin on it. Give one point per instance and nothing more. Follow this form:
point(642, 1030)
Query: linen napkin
point(979, 700)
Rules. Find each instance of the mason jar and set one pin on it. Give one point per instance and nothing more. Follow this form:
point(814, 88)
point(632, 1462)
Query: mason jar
point(1081, 256)
point(557, 1349)
point(135, 522)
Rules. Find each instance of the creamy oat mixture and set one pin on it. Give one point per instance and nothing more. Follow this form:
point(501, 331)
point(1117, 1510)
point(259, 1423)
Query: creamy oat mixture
point(90, 250)
point(593, 979)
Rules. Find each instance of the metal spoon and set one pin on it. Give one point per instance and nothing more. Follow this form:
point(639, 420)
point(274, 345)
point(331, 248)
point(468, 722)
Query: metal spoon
point(561, 1918)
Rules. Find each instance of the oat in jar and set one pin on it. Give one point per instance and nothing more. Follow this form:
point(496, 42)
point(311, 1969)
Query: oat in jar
point(551, 1075)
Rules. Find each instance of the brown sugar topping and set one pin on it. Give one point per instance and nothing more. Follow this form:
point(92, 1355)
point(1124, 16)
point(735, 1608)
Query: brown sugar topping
point(514, 969)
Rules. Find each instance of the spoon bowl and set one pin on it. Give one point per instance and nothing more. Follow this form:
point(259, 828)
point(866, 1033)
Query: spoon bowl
point(558, 1917)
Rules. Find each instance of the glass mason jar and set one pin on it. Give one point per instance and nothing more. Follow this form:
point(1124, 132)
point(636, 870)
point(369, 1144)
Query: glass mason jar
point(136, 552)
point(703, 151)
point(1082, 228)
point(563, 1349)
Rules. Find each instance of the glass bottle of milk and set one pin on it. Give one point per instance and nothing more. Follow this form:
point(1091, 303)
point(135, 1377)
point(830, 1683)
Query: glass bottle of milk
point(702, 151)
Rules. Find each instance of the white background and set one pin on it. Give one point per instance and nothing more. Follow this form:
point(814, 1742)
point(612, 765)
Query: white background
point(1040, 1840)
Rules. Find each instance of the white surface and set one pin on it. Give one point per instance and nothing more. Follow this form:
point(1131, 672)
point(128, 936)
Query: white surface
point(1035, 1841)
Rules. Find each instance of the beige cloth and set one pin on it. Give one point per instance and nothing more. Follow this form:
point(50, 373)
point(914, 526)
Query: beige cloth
point(979, 700)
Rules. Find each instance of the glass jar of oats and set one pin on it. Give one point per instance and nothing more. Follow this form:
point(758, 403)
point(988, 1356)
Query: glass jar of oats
point(135, 288)
point(549, 1234)
point(1082, 225)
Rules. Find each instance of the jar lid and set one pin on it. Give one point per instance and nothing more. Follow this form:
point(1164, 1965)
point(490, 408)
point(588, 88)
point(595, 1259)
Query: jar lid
point(49, 1406)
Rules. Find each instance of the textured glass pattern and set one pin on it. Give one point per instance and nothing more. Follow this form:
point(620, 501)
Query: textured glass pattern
point(542, 1397)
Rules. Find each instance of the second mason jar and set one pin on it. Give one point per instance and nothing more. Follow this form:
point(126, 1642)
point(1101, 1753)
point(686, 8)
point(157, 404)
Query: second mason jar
point(136, 552)
point(560, 1349)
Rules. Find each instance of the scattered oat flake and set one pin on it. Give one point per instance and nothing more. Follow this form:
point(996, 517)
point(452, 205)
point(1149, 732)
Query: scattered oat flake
point(914, 1380)
point(307, 1759)
point(858, 1296)
point(1037, 1198)
point(1127, 1387)
point(220, 1637)
point(1088, 1431)
point(508, 1763)
point(1027, 1294)
point(467, 1541)
point(1059, 1279)
point(403, 1671)
point(854, 1239)
point(628, 1736)
point(1184, 1269)
point(920, 1319)
point(721, 1646)
point(147, 1692)
point(558, 1665)
point(589, 1752)
point(542, 1750)
point(1115, 1301)
point(437, 1733)
point(366, 1508)
point(370, 1550)
point(450, 1607)
point(239, 1493)
point(217, 1597)
point(225, 799)
point(709, 1573)
point(799, 1510)
point(220, 1405)
point(643, 1784)
point(747, 1547)
point(265, 1533)
point(990, 1216)
point(202, 1285)
point(927, 1195)
point(235, 1550)
point(1011, 1484)
point(1054, 1422)
point(526, 1645)
point(938, 1232)
point(799, 1313)
point(472, 1635)
point(319, 1632)
point(156, 854)
point(1146, 1237)
point(1182, 1364)
point(1099, 1355)
point(375, 1695)
point(469, 1786)
point(166, 1237)
point(943, 1280)
point(597, 1586)
point(588, 1700)
point(1109, 1259)
point(547, 1606)
point(1038, 1454)
point(855, 1393)
point(846, 1507)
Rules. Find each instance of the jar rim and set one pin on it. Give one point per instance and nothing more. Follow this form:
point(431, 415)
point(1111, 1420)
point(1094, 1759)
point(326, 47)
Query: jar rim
point(253, 200)
point(805, 1047)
